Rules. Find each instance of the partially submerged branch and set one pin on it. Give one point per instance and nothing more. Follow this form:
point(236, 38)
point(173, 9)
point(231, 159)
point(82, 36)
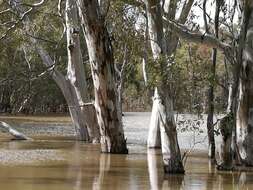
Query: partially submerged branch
point(18, 135)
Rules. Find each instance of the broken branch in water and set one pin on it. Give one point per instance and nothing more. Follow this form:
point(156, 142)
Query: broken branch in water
point(18, 135)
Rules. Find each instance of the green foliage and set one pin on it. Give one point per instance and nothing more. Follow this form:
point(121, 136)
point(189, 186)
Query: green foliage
point(188, 71)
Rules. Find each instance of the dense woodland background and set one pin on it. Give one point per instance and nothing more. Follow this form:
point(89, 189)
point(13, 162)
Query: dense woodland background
point(26, 86)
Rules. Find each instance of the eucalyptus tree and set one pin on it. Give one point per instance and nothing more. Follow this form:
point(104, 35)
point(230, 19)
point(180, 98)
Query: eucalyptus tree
point(81, 112)
point(104, 77)
point(163, 45)
point(244, 118)
point(73, 85)
point(238, 126)
point(210, 109)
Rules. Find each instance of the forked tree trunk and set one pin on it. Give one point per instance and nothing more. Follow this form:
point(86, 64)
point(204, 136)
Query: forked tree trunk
point(82, 114)
point(73, 85)
point(210, 126)
point(77, 115)
point(171, 152)
point(245, 107)
point(103, 73)
point(162, 114)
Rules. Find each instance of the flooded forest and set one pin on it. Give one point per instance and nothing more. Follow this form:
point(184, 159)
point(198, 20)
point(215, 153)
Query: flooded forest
point(126, 94)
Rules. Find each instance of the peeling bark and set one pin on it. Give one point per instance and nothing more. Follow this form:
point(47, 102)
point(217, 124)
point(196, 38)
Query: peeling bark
point(245, 107)
point(104, 77)
point(162, 112)
point(81, 114)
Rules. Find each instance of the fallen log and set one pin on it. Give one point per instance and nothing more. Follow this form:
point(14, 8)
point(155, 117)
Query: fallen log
point(16, 134)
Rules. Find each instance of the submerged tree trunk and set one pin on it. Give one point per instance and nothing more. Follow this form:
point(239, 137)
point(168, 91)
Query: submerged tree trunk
point(103, 73)
point(16, 134)
point(162, 113)
point(76, 77)
point(73, 85)
point(245, 107)
point(210, 125)
point(154, 135)
point(226, 151)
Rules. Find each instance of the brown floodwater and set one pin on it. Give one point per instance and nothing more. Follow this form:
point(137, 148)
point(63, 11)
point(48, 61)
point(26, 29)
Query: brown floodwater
point(60, 163)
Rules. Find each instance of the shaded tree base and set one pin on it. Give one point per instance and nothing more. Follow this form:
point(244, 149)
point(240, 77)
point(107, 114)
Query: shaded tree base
point(114, 150)
point(224, 167)
point(174, 167)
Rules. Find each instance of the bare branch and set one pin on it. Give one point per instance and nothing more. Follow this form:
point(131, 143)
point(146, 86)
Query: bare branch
point(185, 11)
point(196, 37)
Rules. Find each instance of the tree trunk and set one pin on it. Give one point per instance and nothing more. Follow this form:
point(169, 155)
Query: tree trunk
point(121, 78)
point(162, 113)
point(226, 152)
point(92, 123)
point(171, 152)
point(76, 76)
point(73, 86)
point(154, 136)
point(103, 73)
point(16, 134)
point(229, 153)
point(245, 107)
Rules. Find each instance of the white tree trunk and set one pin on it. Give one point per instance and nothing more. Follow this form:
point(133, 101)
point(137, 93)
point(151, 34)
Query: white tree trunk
point(162, 112)
point(154, 136)
point(16, 134)
point(245, 107)
point(82, 115)
point(72, 90)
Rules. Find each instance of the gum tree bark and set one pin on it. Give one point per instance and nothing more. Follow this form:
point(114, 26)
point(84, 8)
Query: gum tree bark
point(245, 107)
point(226, 126)
point(83, 115)
point(104, 77)
point(73, 85)
point(162, 117)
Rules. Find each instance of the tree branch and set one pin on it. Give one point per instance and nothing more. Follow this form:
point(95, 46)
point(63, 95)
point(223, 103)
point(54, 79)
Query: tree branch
point(185, 11)
point(197, 37)
point(13, 132)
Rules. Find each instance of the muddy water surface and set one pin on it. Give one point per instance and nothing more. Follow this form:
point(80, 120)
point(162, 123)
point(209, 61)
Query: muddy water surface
point(63, 164)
